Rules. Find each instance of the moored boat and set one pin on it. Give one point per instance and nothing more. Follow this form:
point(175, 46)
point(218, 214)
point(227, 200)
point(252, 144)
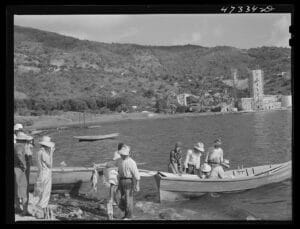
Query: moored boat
point(77, 179)
point(64, 178)
point(173, 187)
point(96, 137)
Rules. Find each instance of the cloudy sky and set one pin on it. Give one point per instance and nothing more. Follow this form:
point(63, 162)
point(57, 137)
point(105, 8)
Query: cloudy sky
point(238, 30)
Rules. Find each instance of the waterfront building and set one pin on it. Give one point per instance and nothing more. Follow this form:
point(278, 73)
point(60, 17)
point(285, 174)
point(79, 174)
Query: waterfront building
point(246, 104)
point(257, 89)
point(259, 101)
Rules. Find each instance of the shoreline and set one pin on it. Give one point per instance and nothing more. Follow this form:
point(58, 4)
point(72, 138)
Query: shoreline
point(63, 121)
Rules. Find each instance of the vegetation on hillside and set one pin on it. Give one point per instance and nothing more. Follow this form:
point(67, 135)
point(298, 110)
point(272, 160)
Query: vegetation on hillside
point(54, 72)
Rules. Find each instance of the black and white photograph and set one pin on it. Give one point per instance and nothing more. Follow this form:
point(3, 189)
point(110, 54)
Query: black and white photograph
point(153, 116)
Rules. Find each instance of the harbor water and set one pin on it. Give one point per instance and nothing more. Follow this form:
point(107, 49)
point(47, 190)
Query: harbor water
point(249, 139)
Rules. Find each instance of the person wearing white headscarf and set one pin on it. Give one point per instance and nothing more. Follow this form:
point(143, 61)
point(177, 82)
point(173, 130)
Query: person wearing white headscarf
point(44, 163)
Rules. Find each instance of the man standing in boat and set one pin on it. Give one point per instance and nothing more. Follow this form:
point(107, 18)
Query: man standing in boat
point(129, 178)
point(215, 159)
point(175, 164)
point(193, 159)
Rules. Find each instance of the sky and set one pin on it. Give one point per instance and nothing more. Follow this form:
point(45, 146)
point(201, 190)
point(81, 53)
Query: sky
point(208, 30)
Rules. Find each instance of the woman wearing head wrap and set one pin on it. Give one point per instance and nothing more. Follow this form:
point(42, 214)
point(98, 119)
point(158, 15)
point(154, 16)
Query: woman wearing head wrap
point(44, 162)
point(175, 163)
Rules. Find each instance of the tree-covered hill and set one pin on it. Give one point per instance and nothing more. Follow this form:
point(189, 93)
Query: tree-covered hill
point(56, 72)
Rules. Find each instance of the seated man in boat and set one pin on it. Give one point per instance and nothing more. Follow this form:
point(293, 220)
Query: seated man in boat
point(175, 164)
point(205, 170)
point(193, 159)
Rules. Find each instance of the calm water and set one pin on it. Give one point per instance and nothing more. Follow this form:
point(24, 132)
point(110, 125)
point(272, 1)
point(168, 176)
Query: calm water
point(249, 139)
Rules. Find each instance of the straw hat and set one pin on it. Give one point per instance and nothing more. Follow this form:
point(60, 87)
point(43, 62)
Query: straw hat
point(218, 142)
point(199, 146)
point(205, 168)
point(22, 136)
point(125, 150)
point(116, 155)
point(18, 126)
point(46, 141)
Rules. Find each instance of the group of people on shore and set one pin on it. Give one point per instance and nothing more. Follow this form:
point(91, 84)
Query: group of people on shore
point(121, 172)
point(23, 144)
point(212, 166)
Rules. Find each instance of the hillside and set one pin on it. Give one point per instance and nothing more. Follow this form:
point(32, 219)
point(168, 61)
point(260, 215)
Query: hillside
point(56, 72)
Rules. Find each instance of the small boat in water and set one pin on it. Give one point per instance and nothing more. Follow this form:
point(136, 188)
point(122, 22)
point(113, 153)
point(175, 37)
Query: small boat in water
point(97, 137)
point(173, 187)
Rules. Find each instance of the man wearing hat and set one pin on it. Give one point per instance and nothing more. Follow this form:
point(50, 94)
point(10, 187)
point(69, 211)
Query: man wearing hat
point(22, 170)
point(193, 159)
point(44, 164)
point(129, 178)
point(18, 128)
point(215, 159)
point(175, 163)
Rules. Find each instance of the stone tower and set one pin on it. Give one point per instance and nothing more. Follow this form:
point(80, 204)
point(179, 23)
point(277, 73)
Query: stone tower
point(257, 89)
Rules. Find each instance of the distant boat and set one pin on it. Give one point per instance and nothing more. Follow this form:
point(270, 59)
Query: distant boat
point(173, 187)
point(91, 127)
point(96, 137)
point(35, 132)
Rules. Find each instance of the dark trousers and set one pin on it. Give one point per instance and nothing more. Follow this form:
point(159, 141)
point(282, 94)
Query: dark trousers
point(191, 169)
point(126, 202)
point(20, 188)
point(28, 159)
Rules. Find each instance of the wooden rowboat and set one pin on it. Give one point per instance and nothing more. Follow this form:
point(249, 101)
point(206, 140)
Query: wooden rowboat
point(64, 178)
point(173, 187)
point(68, 179)
point(96, 137)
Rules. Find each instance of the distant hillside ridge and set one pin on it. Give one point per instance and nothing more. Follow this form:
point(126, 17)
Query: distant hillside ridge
point(53, 68)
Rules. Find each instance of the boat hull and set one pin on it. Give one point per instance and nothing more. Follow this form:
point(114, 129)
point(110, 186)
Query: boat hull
point(64, 179)
point(96, 138)
point(172, 187)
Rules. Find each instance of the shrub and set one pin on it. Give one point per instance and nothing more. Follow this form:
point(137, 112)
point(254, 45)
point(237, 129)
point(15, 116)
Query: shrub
point(181, 109)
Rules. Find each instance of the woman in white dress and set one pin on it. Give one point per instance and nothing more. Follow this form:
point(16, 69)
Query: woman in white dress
point(44, 179)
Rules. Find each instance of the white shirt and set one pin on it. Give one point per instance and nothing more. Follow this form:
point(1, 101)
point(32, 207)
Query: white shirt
point(127, 168)
point(215, 155)
point(217, 172)
point(192, 158)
